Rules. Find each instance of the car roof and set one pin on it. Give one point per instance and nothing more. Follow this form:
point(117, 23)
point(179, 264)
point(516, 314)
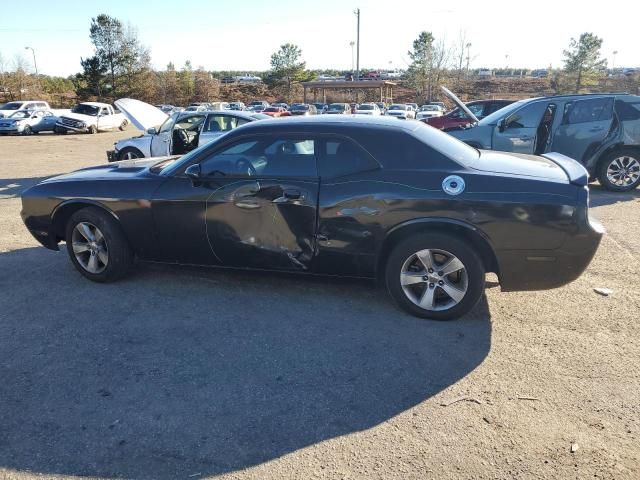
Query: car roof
point(328, 123)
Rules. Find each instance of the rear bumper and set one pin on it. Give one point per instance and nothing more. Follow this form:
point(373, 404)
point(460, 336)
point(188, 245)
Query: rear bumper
point(546, 269)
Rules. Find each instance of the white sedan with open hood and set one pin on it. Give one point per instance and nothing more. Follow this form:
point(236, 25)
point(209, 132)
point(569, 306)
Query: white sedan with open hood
point(174, 134)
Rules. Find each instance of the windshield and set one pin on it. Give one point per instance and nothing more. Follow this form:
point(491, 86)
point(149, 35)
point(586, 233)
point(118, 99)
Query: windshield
point(428, 108)
point(20, 114)
point(503, 112)
point(300, 107)
point(336, 106)
point(85, 109)
point(449, 146)
point(168, 123)
point(366, 107)
point(398, 107)
point(12, 106)
point(272, 109)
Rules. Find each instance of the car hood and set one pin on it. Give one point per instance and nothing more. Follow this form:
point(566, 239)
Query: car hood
point(111, 171)
point(77, 116)
point(460, 104)
point(552, 166)
point(141, 114)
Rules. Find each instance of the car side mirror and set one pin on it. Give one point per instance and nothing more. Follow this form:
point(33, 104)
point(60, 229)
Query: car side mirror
point(194, 172)
point(502, 125)
point(152, 130)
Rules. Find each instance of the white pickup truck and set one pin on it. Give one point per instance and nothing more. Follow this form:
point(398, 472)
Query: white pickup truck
point(91, 117)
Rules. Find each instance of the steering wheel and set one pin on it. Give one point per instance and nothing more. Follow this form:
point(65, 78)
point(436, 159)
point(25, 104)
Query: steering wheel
point(183, 136)
point(245, 166)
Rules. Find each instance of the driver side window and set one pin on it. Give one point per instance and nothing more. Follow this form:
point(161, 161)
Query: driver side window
point(264, 156)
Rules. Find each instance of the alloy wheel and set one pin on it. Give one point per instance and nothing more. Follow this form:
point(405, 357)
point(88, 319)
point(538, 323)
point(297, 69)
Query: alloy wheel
point(434, 280)
point(90, 247)
point(623, 171)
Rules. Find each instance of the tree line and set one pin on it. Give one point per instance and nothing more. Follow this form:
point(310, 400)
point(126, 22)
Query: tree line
point(121, 67)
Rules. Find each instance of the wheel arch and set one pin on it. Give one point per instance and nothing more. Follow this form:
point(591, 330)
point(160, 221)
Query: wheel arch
point(62, 213)
point(470, 233)
point(618, 146)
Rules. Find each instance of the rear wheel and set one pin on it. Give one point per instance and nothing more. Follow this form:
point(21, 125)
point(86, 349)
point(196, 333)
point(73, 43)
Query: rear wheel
point(93, 129)
point(97, 246)
point(27, 130)
point(619, 171)
point(123, 125)
point(59, 131)
point(435, 276)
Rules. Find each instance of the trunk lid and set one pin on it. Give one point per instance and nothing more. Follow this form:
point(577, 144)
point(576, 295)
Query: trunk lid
point(552, 166)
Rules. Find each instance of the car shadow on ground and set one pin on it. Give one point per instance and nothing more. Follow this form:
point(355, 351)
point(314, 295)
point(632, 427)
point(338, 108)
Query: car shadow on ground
point(179, 372)
point(13, 187)
point(599, 196)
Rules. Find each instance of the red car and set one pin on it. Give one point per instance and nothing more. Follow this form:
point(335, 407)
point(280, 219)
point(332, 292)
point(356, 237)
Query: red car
point(276, 112)
point(457, 118)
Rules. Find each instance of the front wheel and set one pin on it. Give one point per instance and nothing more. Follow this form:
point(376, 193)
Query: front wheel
point(435, 276)
point(97, 246)
point(619, 171)
point(93, 129)
point(129, 153)
point(123, 125)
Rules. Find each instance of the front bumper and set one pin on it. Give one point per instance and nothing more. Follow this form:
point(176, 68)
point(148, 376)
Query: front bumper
point(73, 129)
point(11, 130)
point(112, 155)
point(545, 269)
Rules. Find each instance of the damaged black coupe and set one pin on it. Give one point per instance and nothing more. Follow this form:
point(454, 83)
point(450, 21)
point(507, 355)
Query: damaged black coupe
point(337, 195)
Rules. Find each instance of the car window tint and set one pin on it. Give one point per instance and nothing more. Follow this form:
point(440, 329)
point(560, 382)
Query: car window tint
point(528, 116)
point(591, 110)
point(266, 156)
point(341, 156)
point(627, 110)
point(220, 123)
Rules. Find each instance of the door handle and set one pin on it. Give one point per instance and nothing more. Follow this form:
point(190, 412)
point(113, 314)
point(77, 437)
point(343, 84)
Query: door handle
point(291, 194)
point(524, 138)
point(288, 194)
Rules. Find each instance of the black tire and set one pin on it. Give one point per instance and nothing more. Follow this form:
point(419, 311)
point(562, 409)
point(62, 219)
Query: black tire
point(475, 274)
point(123, 125)
point(129, 152)
point(92, 130)
point(60, 131)
point(627, 157)
point(119, 253)
point(27, 130)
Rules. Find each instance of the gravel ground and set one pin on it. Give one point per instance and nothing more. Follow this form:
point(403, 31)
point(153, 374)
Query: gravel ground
point(191, 373)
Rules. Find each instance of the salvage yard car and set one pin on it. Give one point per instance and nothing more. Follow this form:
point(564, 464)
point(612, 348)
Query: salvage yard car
point(10, 108)
point(459, 118)
point(400, 110)
point(26, 122)
point(355, 196)
point(91, 117)
point(173, 135)
point(601, 131)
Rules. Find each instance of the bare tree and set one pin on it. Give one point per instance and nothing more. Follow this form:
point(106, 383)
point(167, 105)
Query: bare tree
point(460, 54)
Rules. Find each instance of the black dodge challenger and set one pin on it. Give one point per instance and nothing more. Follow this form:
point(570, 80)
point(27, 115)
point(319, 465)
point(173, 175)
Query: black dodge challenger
point(362, 197)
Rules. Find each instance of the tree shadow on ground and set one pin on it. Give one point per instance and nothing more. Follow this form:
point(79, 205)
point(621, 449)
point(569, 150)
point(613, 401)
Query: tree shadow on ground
point(180, 371)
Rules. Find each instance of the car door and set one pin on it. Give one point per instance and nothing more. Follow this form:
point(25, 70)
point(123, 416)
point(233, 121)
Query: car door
point(161, 140)
point(517, 132)
point(584, 126)
point(262, 209)
point(46, 123)
point(216, 125)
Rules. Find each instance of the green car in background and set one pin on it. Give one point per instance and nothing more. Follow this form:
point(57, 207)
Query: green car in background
point(601, 131)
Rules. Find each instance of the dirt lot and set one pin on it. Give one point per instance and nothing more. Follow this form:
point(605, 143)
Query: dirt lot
point(190, 373)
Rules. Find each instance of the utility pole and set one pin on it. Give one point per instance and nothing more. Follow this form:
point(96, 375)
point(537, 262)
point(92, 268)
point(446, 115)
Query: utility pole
point(357, 13)
point(35, 65)
point(352, 44)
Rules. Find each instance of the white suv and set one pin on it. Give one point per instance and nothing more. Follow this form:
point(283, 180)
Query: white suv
point(12, 107)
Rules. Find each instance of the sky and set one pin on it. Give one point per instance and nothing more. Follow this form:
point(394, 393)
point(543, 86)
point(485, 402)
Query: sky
point(242, 35)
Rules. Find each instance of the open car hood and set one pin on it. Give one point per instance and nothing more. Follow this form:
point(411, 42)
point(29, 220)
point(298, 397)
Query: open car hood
point(460, 104)
point(142, 115)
